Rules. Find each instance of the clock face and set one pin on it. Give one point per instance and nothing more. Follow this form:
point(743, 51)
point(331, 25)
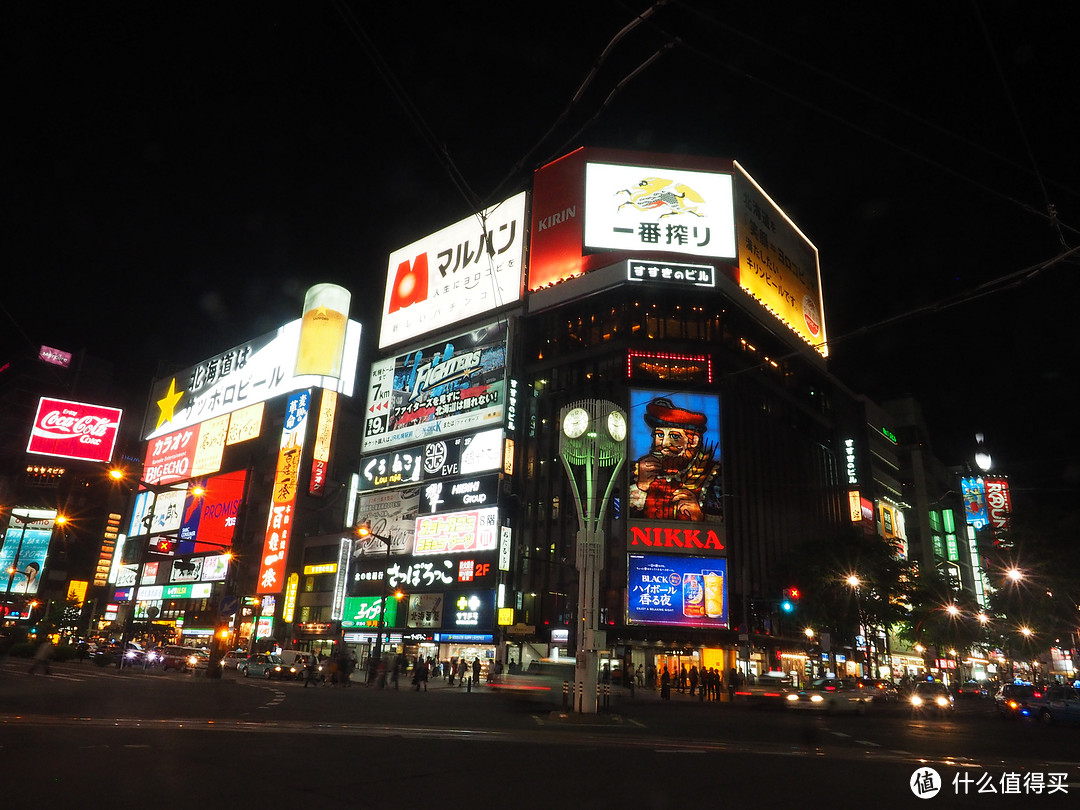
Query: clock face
point(616, 425)
point(575, 422)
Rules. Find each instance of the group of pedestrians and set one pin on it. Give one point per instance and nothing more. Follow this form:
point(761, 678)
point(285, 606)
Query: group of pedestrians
point(705, 684)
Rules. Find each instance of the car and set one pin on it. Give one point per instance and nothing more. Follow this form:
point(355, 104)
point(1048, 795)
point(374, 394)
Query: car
point(831, 695)
point(970, 689)
point(881, 690)
point(174, 656)
point(931, 696)
point(1055, 703)
point(542, 683)
point(1011, 699)
point(232, 659)
point(265, 665)
point(199, 658)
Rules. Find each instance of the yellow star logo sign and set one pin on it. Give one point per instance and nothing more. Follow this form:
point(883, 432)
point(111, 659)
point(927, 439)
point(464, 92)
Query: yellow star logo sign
point(167, 404)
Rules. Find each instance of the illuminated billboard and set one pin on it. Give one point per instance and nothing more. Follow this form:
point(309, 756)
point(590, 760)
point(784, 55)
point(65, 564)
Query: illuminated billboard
point(644, 207)
point(778, 265)
point(596, 208)
point(449, 387)
point(998, 503)
point(209, 518)
point(286, 482)
point(432, 461)
point(689, 591)
point(466, 532)
point(25, 548)
point(675, 497)
point(253, 372)
point(365, 611)
point(466, 269)
point(975, 511)
point(74, 430)
point(420, 575)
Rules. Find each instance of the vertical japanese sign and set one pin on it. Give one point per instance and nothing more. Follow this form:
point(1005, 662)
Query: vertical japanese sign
point(279, 521)
point(321, 453)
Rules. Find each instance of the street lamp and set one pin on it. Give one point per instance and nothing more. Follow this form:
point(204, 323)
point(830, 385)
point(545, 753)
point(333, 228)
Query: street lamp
point(855, 584)
point(364, 530)
point(592, 446)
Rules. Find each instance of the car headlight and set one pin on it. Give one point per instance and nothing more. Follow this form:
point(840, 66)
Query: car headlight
point(816, 698)
point(793, 697)
point(942, 701)
point(916, 700)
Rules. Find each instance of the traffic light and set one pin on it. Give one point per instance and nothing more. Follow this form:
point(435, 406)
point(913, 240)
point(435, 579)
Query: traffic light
point(790, 600)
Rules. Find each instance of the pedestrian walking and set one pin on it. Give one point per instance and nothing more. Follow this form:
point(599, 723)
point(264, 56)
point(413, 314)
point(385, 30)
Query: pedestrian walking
point(41, 658)
point(693, 680)
point(420, 674)
point(476, 671)
point(462, 665)
point(311, 669)
point(665, 685)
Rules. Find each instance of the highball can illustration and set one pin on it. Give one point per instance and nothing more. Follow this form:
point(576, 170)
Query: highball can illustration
point(714, 594)
point(322, 331)
point(693, 595)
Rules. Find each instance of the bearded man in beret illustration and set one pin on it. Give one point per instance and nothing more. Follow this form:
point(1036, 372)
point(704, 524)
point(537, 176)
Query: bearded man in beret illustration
point(674, 481)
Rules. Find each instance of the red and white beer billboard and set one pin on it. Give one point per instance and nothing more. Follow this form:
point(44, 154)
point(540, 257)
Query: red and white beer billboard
point(74, 430)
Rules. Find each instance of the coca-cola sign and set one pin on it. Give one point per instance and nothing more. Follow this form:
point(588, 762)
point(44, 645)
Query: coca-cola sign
point(74, 430)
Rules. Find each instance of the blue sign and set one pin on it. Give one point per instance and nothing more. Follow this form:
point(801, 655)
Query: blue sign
point(688, 591)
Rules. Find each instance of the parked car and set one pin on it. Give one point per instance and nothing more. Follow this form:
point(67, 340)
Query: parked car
point(1054, 704)
point(831, 695)
point(265, 665)
point(931, 696)
point(1011, 699)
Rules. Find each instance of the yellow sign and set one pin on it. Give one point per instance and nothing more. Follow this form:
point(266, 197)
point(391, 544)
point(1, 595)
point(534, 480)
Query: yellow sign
point(77, 591)
point(778, 265)
point(506, 617)
point(322, 568)
point(245, 424)
point(288, 609)
point(211, 446)
point(854, 505)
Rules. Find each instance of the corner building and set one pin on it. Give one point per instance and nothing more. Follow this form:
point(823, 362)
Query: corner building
point(673, 287)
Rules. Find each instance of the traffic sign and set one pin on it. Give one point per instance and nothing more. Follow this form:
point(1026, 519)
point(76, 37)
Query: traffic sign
point(229, 605)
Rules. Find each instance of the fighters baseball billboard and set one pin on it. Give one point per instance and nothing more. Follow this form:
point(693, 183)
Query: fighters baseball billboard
point(449, 387)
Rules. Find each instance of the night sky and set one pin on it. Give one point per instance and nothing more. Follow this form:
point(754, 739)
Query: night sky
point(177, 174)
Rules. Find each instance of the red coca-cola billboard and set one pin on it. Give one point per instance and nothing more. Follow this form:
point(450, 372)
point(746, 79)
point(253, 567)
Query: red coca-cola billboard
point(74, 430)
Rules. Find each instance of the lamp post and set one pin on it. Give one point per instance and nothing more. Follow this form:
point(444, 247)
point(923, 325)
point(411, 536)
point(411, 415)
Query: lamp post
point(856, 584)
point(364, 530)
point(592, 447)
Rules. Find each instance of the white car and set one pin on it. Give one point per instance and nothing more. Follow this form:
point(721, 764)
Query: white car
point(832, 695)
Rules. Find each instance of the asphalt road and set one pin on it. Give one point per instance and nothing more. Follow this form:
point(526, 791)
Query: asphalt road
point(109, 738)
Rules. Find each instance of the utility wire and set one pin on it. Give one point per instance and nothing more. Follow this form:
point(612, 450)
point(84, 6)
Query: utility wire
point(1050, 209)
point(427, 135)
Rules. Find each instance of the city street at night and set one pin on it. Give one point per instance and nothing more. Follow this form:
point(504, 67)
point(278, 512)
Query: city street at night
point(175, 734)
